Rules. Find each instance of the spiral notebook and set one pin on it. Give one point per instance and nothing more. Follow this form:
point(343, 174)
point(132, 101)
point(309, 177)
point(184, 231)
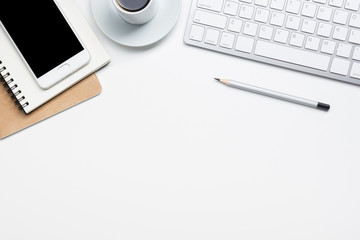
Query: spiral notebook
point(13, 120)
point(18, 78)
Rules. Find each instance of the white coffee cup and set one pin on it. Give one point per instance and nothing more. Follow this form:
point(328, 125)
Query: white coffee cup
point(138, 16)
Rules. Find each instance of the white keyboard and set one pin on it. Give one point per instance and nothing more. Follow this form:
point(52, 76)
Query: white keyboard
point(321, 37)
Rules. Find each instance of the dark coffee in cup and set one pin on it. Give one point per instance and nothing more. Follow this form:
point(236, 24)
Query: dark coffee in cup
point(133, 5)
point(136, 11)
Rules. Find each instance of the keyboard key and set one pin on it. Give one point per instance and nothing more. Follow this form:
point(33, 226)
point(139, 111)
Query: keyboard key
point(281, 36)
point(293, 22)
point(355, 71)
point(343, 50)
point(212, 36)
point(355, 20)
point(250, 28)
point(336, 3)
point(262, 15)
point(308, 9)
point(231, 8)
point(320, 1)
point(312, 43)
point(292, 55)
point(277, 4)
point(297, 39)
point(210, 19)
point(356, 54)
point(293, 6)
point(235, 25)
point(266, 32)
point(308, 26)
point(324, 29)
point(354, 36)
point(352, 5)
point(340, 66)
point(263, 3)
point(197, 33)
point(324, 13)
point(277, 19)
point(246, 11)
point(328, 47)
point(340, 33)
point(227, 40)
point(214, 5)
point(244, 44)
point(340, 17)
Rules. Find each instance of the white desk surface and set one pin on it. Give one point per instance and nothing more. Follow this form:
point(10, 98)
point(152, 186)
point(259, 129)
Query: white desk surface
point(165, 152)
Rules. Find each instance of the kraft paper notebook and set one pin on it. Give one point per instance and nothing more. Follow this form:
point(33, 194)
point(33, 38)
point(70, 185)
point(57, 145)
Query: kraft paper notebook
point(19, 78)
point(13, 120)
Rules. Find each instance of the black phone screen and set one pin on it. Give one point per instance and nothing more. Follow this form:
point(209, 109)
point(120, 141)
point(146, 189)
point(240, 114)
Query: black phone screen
point(40, 32)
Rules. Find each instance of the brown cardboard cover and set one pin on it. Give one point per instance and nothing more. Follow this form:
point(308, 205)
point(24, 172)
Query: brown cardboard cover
point(13, 120)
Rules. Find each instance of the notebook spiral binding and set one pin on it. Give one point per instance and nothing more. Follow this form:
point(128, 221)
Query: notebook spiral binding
point(12, 88)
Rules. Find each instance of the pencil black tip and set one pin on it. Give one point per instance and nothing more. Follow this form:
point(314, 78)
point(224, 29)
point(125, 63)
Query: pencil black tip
point(323, 106)
point(217, 79)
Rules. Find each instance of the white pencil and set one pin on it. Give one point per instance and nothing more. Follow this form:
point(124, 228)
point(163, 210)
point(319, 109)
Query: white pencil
point(274, 94)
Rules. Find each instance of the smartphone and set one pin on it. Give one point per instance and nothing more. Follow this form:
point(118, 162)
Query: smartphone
point(44, 38)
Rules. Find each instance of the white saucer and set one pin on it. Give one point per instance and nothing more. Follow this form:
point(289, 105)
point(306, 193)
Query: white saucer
point(110, 22)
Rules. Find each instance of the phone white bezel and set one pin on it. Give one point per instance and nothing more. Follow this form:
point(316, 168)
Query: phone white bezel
point(64, 69)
